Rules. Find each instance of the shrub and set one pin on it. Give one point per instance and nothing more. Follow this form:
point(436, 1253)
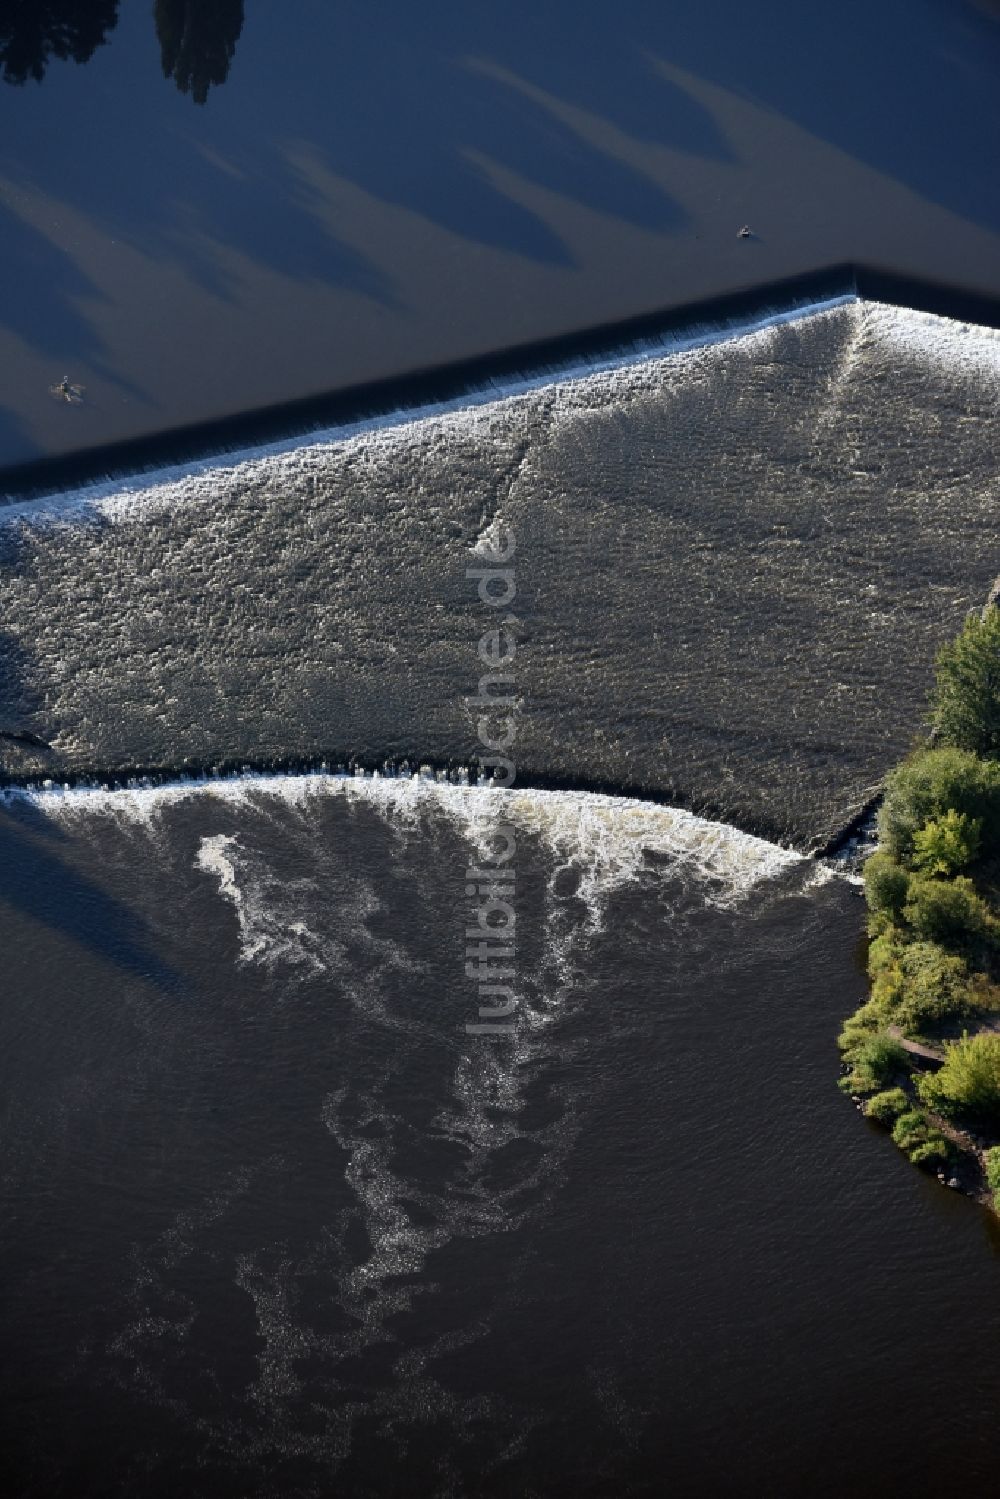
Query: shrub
point(910, 1130)
point(859, 1029)
point(928, 785)
point(930, 1153)
point(946, 911)
point(876, 1061)
point(885, 952)
point(992, 1164)
point(885, 891)
point(885, 1108)
point(967, 696)
point(946, 844)
point(969, 1080)
point(882, 1057)
point(919, 985)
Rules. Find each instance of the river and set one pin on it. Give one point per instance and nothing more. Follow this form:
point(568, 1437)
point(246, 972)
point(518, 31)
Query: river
point(277, 1223)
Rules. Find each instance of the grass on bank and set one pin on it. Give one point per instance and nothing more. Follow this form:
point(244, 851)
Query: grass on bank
point(933, 896)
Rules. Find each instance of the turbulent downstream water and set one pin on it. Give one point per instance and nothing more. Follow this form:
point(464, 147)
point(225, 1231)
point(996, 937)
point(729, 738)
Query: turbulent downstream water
point(276, 1224)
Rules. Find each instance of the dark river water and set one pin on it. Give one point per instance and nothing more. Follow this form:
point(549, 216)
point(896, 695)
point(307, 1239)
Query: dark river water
point(278, 1221)
point(208, 207)
point(275, 1223)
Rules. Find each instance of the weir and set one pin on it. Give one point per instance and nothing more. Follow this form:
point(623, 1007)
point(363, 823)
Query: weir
point(735, 560)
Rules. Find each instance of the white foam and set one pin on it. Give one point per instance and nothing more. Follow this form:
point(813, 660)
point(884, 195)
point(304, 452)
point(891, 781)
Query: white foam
point(607, 838)
point(169, 487)
point(956, 346)
point(264, 937)
point(409, 1214)
point(963, 348)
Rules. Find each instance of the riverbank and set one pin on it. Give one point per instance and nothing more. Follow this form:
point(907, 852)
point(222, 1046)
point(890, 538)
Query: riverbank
point(922, 1054)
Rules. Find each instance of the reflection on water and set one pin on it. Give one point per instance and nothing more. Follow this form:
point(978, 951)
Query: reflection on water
point(32, 32)
point(379, 191)
point(198, 42)
point(197, 38)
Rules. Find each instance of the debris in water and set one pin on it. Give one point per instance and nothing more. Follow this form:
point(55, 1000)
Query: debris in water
point(67, 391)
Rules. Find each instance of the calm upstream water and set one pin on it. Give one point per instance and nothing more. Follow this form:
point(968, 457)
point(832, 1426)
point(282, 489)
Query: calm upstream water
point(208, 207)
point(276, 1224)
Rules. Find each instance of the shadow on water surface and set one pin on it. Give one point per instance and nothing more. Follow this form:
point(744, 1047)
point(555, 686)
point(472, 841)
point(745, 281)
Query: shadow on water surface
point(34, 879)
point(37, 883)
point(358, 151)
point(12, 431)
point(461, 115)
point(52, 290)
point(430, 110)
point(408, 114)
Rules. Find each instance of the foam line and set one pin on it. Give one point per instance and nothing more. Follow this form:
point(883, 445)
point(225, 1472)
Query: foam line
point(607, 837)
point(695, 336)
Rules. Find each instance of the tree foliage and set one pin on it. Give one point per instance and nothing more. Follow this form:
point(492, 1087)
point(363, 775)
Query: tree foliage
point(931, 783)
point(948, 843)
point(918, 985)
point(967, 696)
point(886, 884)
point(969, 1080)
point(949, 912)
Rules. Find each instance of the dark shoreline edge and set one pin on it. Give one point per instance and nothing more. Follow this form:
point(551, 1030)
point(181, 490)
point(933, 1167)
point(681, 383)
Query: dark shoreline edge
point(420, 388)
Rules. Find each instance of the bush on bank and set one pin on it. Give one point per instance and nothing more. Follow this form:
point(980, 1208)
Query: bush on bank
point(947, 844)
point(931, 783)
point(933, 1152)
point(933, 894)
point(914, 1134)
point(886, 1107)
point(969, 1081)
point(875, 1060)
point(992, 1166)
point(919, 985)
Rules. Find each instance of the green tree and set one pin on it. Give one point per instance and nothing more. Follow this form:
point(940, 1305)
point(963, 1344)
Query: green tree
point(969, 1080)
point(948, 843)
point(967, 696)
point(946, 911)
point(929, 784)
point(885, 891)
point(918, 985)
point(992, 1165)
point(887, 1107)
